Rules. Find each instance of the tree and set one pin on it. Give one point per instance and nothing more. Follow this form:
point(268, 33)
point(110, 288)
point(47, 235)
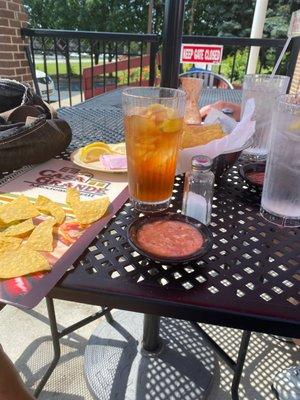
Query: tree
point(205, 17)
point(219, 18)
point(92, 15)
point(234, 17)
point(278, 18)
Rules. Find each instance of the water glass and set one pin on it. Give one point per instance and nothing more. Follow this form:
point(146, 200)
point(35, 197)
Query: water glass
point(153, 119)
point(264, 90)
point(280, 202)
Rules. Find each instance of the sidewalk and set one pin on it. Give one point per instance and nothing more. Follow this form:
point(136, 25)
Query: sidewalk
point(25, 336)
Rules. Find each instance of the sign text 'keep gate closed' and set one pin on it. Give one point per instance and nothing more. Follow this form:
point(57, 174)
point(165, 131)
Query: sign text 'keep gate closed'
point(198, 53)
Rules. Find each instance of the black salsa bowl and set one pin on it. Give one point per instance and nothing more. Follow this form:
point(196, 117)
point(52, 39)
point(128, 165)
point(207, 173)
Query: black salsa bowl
point(134, 227)
point(245, 171)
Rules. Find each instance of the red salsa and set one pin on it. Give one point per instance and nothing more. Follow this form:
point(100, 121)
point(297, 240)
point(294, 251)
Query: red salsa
point(169, 238)
point(256, 177)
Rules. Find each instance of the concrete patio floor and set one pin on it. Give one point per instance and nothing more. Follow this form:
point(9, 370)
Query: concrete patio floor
point(25, 336)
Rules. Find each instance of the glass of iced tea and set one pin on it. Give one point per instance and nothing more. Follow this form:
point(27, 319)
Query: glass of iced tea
point(153, 119)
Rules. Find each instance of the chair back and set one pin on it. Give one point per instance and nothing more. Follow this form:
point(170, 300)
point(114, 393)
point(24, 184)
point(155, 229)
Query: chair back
point(211, 79)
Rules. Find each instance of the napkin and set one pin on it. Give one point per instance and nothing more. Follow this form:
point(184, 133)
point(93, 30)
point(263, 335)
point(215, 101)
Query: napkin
point(237, 135)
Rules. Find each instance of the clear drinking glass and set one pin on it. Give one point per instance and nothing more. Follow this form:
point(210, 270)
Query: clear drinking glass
point(153, 119)
point(280, 201)
point(264, 90)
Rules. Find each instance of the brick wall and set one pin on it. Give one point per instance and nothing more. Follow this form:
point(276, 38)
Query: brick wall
point(13, 62)
point(295, 86)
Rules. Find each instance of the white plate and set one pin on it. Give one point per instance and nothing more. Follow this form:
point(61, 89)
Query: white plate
point(94, 166)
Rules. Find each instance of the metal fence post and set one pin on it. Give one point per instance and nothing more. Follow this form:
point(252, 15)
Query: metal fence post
point(172, 37)
point(293, 59)
point(152, 71)
point(32, 71)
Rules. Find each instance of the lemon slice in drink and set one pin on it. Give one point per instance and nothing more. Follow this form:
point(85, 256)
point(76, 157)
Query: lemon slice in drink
point(93, 151)
point(171, 125)
point(295, 126)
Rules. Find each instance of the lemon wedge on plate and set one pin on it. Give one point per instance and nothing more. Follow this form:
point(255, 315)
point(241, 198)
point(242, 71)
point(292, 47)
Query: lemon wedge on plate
point(96, 144)
point(93, 151)
point(118, 148)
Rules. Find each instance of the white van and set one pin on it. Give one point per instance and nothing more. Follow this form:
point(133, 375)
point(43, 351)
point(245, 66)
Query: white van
point(42, 80)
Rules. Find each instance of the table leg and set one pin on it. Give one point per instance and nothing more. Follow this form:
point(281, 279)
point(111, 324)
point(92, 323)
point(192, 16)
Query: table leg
point(109, 317)
point(56, 346)
point(151, 341)
point(126, 359)
point(56, 335)
point(239, 365)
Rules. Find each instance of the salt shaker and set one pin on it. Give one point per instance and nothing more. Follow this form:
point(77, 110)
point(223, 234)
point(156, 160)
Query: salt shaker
point(198, 190)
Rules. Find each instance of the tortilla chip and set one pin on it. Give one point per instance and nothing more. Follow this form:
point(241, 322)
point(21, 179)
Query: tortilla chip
point(48, 206)
point(198, 135)
point(86, 212)
point(9, 243)
point(19, 230)
point(21, 262)
point(18, 209)
point(41, 239)
point(73, 196)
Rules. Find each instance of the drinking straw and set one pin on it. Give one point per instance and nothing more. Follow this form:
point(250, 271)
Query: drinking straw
point(280, 56)
point(294, 30)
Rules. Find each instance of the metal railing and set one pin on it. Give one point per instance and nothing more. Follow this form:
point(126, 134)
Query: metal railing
point(235, 46)
point(89, 63)
point(72, 59)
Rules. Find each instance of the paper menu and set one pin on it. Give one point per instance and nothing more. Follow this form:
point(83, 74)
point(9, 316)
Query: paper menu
point(51, 179)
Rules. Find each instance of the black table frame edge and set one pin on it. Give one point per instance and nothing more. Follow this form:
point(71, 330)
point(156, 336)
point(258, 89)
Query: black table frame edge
point(257, 323)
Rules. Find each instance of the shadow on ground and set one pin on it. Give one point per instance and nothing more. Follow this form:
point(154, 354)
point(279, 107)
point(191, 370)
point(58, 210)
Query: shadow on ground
point(266, 356)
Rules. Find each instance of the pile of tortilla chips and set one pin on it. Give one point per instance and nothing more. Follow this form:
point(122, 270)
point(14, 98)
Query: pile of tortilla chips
point(22, 240)
point(198, 135)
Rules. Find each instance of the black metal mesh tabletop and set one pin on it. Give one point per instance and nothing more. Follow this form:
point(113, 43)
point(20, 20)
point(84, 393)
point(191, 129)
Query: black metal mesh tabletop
point(94, 124)
point(208, 96)
point(248, 280)
point(101, 118)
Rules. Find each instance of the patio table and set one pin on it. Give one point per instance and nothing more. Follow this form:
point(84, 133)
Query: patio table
point(208, 96)
point(249, 279)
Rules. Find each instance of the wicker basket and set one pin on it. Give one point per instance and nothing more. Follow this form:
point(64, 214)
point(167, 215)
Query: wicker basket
point(225, 161)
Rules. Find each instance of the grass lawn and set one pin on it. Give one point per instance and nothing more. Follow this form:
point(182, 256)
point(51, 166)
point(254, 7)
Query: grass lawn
point(62, 67)
point(238, 75)
point(62, 70)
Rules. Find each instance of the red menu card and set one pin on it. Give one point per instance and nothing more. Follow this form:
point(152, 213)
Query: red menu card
point(51, 179)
